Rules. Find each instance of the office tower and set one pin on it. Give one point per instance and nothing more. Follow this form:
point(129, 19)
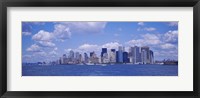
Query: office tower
point(125, 57)
point(117, 56)
point(105, 58)
point(112, 56)
point(135, 55)
point(86, 58)
point(93, 58)
point(91, 54)
point(103, 53)
point(120, 54)
point(145, 56)
point(104, 50)
point(71, 56)
point(151, 57)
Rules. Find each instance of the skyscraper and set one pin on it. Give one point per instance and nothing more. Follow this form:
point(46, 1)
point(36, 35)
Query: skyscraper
point(151, 57)
point(112, 56)
point(145, 55)
point(120, 54)
point(125, 57)
point(135, 54)
point(86, 58)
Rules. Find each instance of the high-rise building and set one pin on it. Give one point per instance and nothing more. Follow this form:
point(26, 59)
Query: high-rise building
point(125, 57)
point(71, 56)
point(117, 56)
point(104, 50)
point(112, 56)
point(103, 54)
point(120, 54)
point(151, 57)
point(135, 55)
point(86, 58)
point(145, 55)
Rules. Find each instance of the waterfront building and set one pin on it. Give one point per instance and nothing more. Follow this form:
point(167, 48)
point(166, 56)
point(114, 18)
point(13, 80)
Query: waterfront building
point(151, 57)
point(125, 57)
point(145, 55)
point(71, 56)
point(86, 58)
point(103, 52)
point(112, 56)
point(120, 54)
point(135, 55)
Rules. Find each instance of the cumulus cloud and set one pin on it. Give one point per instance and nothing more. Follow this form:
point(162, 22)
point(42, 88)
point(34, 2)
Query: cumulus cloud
point(85, 27)
point(111, 45)
point(147, 39)
point(141, 23)
point(26, 33)
point(168, 46)
point(171, 36)
point(46, 43)
point(34, 48)
point(43, 36)
point(173, 24)
point(62, 31)
point(149, 29)
point(89, 47)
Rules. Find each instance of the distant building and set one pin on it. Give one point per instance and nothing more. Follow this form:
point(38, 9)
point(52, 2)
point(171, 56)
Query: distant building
point(125, 57)
point(135, 55)
point(120, 54)
point(151, 57)
point(112, 56)
point(71, 56)
point(145, 55)
point(104, 55)
point(86, 58)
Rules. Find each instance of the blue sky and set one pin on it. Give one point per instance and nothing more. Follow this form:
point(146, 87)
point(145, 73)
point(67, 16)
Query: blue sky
point(47, 41)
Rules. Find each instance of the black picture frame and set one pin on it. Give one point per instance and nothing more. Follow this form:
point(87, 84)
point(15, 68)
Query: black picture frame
point(100, 3)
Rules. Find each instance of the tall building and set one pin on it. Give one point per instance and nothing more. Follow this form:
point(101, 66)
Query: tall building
point(135, 55)
point(120, 54)
point(151, 57)
point(145, 55)
point(112, 56)
point(71, 56)
point(86, 58)
point(125, 57)
point(104, 55)
point(117, 57)
point(104, 50)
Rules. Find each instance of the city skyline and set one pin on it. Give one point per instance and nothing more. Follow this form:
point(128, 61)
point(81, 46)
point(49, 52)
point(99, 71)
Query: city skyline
point(47, 41)
point(135, 55)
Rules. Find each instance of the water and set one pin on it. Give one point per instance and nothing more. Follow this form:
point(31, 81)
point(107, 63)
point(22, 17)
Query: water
point(96, 70)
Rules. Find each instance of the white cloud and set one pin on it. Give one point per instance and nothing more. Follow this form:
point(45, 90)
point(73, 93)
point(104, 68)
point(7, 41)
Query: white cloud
point(26, 33)
point(39, 54)
point(62, 31)
point(34, 48)
point(89, 47)
point(111, 45)
point(46, 43)
point(173, 24)
point(171, 36)
point(43, 36)
point(141, 23)
point(148, 39)
point(149, 29)
point(85, 27)
point(168, 46)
